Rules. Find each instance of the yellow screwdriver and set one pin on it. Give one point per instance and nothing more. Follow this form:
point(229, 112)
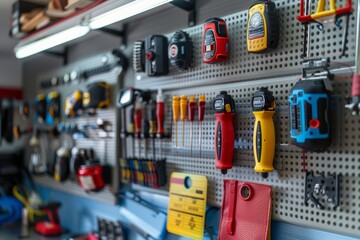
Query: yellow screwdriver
point(183, 112)
point(176, 108)
point(201, 113)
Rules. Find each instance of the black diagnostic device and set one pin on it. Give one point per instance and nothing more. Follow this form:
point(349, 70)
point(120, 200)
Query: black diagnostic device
point(181, 50)
point(156, 55)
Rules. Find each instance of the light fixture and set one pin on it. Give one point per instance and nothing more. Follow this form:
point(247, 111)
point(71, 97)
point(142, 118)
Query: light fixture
point(51, 41)
point(125, 11)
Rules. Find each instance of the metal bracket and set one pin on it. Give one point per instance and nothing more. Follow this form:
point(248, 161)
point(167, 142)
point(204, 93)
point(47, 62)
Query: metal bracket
point(64, 55)
point(188, 6)
point(117, 33)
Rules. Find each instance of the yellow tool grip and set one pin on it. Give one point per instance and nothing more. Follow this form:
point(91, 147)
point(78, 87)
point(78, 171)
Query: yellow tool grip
point(264, 142)
point(321, 12)
point(176, 107)
point(183, 107)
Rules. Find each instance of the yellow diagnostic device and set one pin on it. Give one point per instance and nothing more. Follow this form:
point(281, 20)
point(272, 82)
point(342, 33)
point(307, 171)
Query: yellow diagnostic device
point(263, 26)
point(263, 105)
point(187, 205)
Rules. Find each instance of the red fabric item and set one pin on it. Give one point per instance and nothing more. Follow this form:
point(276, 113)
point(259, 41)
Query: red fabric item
point(245, 217)
point(48, 228)
point(356, 85)
point(10, 92)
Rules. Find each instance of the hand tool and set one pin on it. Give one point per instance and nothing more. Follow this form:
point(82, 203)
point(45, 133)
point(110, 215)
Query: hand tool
point(310, 108)
point(97, 95)
point(183, 112)
point(191, 113)
point(160, 115)
point(263, 26)
point(139, 56)
point(215, 42)
point(323, 17)
point(8, 123)
point(224, 107)
point(153, 124)
point(145, 97)
point(201, 114)
point(24, 110)
point(37, 164)
point(354, 105)
point(156, 55)
point(52, 227)
point(322, 186)
point(263, 106)
point(181, 50)
point(53, 108)
point(1, 121)
point(176, 109)
point(40, 107)
point(73, 103)
point(78, 158)
point(138, 120)
point(62, 164)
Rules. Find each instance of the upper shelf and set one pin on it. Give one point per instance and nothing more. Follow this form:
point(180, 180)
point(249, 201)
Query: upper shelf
point(96, 16)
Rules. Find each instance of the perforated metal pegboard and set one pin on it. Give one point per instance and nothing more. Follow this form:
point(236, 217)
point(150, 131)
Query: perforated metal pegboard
point(243, 66)
point(105, 148)
point(241, 76)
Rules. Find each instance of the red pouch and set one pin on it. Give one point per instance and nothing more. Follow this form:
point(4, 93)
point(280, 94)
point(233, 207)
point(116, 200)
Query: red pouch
point(245, 212)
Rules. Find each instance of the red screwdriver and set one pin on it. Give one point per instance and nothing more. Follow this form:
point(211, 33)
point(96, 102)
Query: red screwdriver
point(160, 115)
point(138, 119)
point(201, 113)
point(191, 113)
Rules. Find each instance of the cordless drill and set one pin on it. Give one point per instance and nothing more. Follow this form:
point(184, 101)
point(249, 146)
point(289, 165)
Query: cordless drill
point(224, 107)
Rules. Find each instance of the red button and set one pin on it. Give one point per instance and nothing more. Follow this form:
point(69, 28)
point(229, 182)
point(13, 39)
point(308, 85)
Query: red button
point(314, 123)
point(150, 55)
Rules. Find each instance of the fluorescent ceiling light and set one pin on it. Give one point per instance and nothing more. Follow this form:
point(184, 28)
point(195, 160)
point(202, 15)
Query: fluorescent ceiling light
point(125, 11)
point(51, 41)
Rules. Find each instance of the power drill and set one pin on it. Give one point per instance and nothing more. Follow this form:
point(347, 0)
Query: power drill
point(263, 105)
point(224, 107)
point(310, 108)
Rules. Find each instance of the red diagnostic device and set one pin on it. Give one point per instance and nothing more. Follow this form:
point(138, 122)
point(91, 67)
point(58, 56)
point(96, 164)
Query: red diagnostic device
point(90, 176)
point(224, 107)
point(215, 41)
point(52, 227)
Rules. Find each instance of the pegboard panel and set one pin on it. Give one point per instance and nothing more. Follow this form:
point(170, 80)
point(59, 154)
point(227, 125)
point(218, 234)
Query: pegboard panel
point(288, 179)
point(104, 148)
point(243, 66)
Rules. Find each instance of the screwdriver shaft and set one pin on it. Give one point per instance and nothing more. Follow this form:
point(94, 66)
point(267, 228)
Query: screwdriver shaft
point(200, 136)
point(183, 131)
point(191, 133)
point(176, 135)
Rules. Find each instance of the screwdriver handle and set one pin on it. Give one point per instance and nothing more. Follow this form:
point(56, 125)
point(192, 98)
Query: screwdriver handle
point(201, 108)
point(224, 141)
point(264, 142)
point(191, 108)
point(132, 121)
point(153, 116)
point(160, 113)
point(176, 108)
point(138, 119)
point(183, 107)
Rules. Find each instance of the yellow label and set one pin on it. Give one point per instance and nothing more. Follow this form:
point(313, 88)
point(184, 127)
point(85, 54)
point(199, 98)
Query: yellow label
point(187, 205)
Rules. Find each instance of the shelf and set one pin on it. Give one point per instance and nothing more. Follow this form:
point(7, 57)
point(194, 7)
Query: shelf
point(96, 16)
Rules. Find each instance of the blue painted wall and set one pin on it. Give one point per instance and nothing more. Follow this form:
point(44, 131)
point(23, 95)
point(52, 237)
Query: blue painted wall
point(79, 214)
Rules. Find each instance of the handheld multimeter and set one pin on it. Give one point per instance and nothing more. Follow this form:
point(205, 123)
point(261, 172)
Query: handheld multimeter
point(215, 41)
point(263, 106)
point(224, 107)
point(263, 26)
point(310, 117)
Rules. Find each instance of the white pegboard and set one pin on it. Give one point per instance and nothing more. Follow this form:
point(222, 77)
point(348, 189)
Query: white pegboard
point(241, 76)
point(243, 66)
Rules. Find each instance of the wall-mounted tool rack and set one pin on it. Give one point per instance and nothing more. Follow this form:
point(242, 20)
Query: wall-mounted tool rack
point(95, 69)
point(242, 75)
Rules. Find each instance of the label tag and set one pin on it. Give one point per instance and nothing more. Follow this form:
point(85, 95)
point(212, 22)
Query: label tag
point(187, 205)
point(87, 182)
